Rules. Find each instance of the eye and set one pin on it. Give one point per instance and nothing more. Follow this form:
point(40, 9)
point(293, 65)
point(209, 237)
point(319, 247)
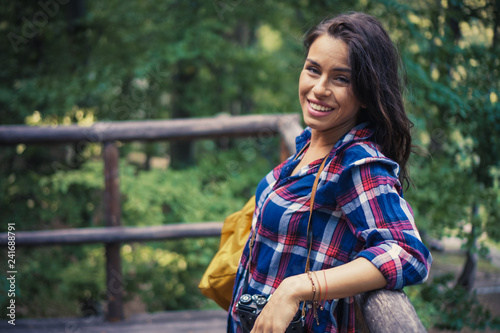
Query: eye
point(312, 70)
point(343, 79)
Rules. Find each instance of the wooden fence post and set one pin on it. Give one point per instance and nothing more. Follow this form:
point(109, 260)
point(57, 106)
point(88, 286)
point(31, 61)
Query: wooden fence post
point(114, 279)
point(289, 128)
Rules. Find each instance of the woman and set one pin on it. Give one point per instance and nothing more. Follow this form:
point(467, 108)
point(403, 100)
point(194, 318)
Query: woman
point(363, 233)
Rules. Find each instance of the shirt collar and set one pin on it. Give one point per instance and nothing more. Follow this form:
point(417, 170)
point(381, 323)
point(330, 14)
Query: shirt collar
point(360, 132)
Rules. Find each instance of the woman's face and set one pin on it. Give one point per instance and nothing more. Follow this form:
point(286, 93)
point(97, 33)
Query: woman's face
point(325, 91)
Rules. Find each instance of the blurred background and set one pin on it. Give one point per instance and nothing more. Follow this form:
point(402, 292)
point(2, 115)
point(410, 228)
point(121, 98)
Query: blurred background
point(85, 61)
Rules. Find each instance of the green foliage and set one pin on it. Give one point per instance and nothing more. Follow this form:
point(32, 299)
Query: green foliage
point(454, 308)
point(47, 286)
point(166, 275)
point(426, 311)
point(441, 305)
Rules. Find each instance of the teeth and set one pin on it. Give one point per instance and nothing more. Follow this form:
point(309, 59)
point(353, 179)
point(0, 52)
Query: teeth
point(319, 107)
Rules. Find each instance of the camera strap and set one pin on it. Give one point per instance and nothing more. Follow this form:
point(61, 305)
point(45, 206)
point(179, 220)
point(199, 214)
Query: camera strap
point(311, 209)
point(309, 229)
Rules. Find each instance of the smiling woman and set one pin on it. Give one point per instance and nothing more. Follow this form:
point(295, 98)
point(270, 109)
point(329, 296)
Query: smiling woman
point(328, 104)
point(331, 222)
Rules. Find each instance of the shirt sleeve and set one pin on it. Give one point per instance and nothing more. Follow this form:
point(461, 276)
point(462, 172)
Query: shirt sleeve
point(379, 216)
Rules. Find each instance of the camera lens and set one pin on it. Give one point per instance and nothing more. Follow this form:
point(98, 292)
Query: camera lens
point(245, 299)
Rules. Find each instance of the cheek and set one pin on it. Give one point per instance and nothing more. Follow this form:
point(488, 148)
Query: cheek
point(347, 98)
point(303, 85)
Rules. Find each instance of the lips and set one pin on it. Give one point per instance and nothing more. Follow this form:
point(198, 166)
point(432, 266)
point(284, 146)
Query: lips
point(318, 109)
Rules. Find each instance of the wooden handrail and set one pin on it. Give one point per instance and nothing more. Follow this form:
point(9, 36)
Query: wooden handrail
point(114, 234)
point(388, 311)
point(152, 130)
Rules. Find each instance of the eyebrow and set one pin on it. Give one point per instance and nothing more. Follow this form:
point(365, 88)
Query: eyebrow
point(337, 69)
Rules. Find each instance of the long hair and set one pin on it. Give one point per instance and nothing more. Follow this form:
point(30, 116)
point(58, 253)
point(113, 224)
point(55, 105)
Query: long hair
point(377, 81)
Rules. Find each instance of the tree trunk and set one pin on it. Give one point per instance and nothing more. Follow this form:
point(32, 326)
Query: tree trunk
point(496, 24)
point(181, 152)
point(454, 8)
point(468, 275)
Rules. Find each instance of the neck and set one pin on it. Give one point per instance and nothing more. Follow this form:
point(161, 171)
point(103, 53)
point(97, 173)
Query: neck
point(323, 141)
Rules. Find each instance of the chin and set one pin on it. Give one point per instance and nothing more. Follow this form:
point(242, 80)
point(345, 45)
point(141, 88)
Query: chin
point(315, 124)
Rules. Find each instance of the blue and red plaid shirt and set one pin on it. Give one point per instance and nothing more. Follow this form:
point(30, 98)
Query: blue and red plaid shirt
point(359, 211)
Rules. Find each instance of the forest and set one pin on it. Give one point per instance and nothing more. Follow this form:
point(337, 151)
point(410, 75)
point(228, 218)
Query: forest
point(86, 61)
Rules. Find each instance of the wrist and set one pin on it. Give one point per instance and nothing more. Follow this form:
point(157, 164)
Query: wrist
point(299, 287)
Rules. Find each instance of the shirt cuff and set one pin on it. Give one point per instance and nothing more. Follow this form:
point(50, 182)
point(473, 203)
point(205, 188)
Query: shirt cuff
point(386, 257)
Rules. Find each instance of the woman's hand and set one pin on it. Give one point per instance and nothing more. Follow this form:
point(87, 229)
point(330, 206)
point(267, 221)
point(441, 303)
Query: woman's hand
point(355, 277)
point(281, 308)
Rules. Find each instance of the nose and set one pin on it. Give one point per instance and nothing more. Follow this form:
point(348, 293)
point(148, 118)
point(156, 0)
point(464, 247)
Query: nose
point(322, 88)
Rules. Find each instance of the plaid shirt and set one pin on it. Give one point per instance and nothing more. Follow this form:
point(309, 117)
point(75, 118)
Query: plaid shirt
point(359, 211)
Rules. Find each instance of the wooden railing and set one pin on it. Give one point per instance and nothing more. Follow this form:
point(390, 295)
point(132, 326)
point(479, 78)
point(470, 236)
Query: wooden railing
point(382, 310)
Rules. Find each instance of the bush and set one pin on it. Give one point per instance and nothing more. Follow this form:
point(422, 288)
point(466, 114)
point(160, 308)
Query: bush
point(442, 305)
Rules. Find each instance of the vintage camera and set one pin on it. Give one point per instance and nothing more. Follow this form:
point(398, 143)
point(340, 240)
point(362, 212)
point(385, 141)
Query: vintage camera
point(250, 306)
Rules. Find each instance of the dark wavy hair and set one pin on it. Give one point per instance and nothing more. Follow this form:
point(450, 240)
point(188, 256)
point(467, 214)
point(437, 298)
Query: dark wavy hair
point(378, 80)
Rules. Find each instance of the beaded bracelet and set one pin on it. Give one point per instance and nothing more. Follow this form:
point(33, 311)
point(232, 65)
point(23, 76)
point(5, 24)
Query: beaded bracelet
point(312, 283)
point(318, 302)
point(314, 303)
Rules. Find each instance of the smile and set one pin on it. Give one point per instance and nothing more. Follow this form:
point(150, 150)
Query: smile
point(321, 108)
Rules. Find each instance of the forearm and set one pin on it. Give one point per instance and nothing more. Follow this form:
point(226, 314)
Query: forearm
point(355, 277)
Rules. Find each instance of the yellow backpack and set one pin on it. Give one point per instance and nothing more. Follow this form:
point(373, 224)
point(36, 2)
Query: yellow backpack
point(218, 280)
